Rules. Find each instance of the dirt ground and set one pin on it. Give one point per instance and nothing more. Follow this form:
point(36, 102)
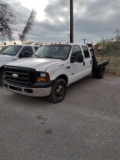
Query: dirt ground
point(85, 126)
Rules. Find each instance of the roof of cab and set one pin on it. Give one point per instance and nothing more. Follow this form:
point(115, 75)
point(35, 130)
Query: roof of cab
point(60, 43)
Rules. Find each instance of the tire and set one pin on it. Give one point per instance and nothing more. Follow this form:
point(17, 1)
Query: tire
point(100, 73)
point(59, 90)
point(94, 74)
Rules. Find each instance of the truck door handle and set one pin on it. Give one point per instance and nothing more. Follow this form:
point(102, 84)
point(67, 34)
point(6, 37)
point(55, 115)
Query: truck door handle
point(68, 67)
point(83, 63)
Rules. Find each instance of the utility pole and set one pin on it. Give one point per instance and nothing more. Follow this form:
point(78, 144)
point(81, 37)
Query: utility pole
point(71, 21)
point(84, 40)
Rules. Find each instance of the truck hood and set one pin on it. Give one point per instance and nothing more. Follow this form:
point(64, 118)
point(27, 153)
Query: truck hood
point(39, 64)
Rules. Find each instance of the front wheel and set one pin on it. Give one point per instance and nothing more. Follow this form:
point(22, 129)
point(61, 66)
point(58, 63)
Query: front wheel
point(58, 91)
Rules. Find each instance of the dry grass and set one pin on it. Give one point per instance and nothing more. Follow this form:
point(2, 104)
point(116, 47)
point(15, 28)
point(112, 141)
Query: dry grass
point(113, 66)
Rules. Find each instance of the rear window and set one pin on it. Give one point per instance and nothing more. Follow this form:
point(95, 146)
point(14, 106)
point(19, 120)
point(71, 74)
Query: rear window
point(86, 52)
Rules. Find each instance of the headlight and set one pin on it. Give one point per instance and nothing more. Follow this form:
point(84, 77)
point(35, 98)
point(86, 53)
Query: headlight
point(42, 74)
point(43, 77)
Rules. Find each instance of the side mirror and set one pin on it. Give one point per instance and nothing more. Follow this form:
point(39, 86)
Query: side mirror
point(25, 54)
point(73, 59)
point(80, 58)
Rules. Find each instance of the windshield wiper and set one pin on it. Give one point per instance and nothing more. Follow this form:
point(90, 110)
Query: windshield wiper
point(48, 57)
point(5, 53)
point(43, 57)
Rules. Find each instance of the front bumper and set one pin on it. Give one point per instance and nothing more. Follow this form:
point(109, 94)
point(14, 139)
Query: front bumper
point(33, 91)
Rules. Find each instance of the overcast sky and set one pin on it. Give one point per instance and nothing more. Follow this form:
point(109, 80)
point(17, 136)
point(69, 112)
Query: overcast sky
point(91, 19)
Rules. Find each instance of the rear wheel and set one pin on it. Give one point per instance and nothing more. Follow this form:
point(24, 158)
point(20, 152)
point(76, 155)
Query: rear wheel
point(101, 72)
point(94, 74)
point(58, 91)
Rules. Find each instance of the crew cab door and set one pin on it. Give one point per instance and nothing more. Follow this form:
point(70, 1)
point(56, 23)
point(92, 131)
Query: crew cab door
point(77, 68)
point(87, 60)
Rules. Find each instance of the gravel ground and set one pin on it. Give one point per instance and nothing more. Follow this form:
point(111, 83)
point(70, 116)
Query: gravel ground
point(85, 126)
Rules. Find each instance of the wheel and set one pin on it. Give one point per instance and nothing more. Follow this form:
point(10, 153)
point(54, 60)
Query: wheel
point(94, 74)
point(100, 73)
point(58, 91)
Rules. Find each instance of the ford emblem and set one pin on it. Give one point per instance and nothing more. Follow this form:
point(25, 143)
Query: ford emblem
point(15, 75)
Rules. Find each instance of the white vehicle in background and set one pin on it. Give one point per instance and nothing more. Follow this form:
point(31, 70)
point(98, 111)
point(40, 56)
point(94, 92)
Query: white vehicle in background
point(1, 47)
point(13, 52)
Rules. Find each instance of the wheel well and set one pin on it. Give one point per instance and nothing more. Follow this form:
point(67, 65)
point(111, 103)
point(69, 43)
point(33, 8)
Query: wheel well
point(63, 77)
point(1, 68)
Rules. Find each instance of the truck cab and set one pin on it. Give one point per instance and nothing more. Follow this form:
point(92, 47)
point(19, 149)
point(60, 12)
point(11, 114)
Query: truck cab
point(50, 70)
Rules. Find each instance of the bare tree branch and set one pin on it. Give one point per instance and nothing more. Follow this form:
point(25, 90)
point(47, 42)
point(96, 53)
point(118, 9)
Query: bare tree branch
point(28, 25)
point(7, 19)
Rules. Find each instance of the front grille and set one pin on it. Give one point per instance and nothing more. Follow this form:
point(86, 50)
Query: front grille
point(20, 76)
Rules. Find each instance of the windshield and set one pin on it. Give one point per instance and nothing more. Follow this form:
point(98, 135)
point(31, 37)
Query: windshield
point(11, 50)
point(53, 51)
point(3, 49)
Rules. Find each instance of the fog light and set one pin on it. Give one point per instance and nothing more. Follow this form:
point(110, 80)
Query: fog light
point(28, 90)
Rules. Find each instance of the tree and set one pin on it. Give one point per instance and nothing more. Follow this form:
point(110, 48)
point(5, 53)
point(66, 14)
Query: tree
point(117, 39)
point(28, 26)
point(109, 48)
point(106, 46)
point(7, 19)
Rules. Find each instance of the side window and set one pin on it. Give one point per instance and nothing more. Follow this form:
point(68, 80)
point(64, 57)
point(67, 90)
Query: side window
point(86, 52)
point(76, 51)
point(27, 48)
point(36, 48)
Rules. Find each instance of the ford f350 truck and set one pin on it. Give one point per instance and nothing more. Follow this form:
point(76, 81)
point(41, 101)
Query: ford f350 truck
point(52, 69)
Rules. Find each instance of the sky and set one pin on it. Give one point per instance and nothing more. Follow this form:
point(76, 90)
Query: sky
point(92, 19)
